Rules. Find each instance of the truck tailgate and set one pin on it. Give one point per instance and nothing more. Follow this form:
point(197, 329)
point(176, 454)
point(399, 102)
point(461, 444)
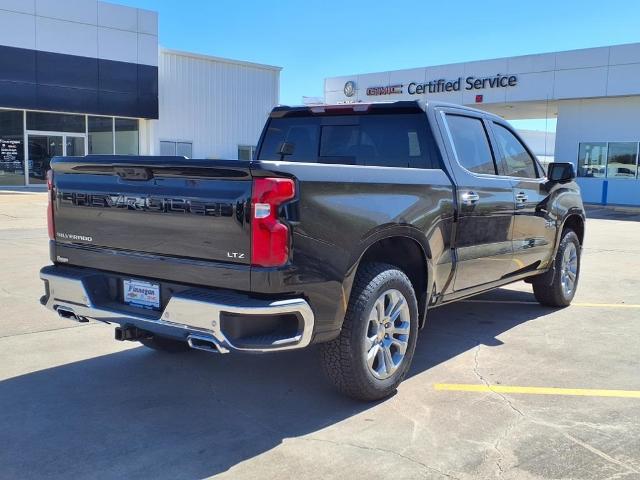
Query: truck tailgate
point(163, 206)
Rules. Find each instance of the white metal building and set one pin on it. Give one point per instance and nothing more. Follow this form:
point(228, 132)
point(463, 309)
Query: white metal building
point(215, 104)
point(594, 94)
point(88, 77)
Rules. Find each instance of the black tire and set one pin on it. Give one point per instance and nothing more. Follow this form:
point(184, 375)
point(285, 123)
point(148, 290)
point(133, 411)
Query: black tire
point(548, 288)
point(344, 359)
point(164, 344)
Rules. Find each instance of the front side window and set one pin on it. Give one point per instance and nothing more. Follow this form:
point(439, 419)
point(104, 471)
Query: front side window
point(622, 159)
point(592, 159)
point(518, 161)
point(471, 144)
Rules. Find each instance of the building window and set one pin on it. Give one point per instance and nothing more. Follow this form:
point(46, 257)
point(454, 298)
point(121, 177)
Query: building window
point(167, 149)
point(100, 135)
point(246, 152)
point(184, 149)
point(126, 136)
point(608, 159)
point(171, 149)
point(622, 159)
point(56, 122)
point(11, 147)
point(592, 159)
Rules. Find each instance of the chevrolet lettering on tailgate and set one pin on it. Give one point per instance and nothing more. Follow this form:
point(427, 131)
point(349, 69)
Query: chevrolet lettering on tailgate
point(146, 203)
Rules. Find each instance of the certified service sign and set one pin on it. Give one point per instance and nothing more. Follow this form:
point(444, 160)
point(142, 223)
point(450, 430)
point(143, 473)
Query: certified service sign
point(350, 88)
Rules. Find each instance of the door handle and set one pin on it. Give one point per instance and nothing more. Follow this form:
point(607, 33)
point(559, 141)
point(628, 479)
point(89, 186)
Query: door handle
point(470, 198)
point(521, 199)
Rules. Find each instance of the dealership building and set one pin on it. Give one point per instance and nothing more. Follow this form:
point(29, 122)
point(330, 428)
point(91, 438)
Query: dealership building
point(88, 77)
point(593, 93)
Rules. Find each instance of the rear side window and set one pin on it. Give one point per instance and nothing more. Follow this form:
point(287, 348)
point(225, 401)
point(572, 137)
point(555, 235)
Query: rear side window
point(471, 144)
point(375, 140)
point(518, 162)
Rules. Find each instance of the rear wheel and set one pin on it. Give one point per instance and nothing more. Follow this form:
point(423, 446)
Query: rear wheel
point(558, 287)
point(374, 350)
point(164, 344)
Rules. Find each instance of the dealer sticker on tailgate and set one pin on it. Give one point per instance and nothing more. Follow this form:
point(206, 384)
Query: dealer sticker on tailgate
point(141, 294)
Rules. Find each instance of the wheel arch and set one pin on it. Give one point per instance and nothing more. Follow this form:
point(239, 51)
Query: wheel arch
point(575, 222)
point(404, 250)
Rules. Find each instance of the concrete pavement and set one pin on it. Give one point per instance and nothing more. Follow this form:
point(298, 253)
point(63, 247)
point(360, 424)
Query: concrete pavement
point(76, 404)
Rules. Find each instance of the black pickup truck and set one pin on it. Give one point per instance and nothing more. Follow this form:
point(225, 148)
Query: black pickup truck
point(350, 224)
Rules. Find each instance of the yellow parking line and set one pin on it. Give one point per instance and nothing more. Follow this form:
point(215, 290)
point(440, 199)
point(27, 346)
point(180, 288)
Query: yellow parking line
point(580, 392)
point(607, 305)
point(591, 305)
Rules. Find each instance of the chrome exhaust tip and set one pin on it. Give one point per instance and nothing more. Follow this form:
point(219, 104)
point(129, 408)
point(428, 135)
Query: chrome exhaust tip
point(206, 344)
point(68, 314)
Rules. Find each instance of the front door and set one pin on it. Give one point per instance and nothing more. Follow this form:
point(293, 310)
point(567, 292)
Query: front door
point(44, 146)
point(485, 204)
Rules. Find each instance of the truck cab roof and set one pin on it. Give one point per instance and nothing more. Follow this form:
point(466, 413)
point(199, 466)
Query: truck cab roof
point(403, 106)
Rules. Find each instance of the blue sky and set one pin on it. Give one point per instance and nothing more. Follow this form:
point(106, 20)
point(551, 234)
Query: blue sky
point(314, 39)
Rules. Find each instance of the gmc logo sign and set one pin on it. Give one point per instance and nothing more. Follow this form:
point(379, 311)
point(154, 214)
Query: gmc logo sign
point(388, 90)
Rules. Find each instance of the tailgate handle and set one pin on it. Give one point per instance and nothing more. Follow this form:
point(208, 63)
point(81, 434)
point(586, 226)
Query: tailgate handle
point(134, 173)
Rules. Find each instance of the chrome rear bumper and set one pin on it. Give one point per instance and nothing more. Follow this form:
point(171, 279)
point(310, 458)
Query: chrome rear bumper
point(190, 315)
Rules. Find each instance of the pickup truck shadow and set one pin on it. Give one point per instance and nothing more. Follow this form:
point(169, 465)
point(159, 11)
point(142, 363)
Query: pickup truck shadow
point(139, 413)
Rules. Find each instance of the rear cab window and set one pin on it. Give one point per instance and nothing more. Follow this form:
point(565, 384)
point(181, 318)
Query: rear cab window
point(384, 140)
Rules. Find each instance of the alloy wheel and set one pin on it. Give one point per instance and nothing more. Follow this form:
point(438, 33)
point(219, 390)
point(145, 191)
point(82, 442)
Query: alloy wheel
point(387, 334)
point(569, 269)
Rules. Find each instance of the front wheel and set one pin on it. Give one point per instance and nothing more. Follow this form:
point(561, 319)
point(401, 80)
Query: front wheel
point(373, 352)
point(559, 289)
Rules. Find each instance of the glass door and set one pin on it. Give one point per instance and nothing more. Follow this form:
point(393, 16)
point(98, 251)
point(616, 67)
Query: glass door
point(44, 146)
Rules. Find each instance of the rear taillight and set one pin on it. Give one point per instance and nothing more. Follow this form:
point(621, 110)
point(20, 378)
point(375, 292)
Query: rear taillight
point(269, 236)
point(50, 225)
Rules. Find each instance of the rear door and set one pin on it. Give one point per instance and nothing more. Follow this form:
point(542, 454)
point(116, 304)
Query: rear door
point(534, 227)
point(485, 201)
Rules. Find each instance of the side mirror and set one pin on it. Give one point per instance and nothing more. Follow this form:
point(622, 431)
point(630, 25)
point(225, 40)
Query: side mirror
point(560, 172)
